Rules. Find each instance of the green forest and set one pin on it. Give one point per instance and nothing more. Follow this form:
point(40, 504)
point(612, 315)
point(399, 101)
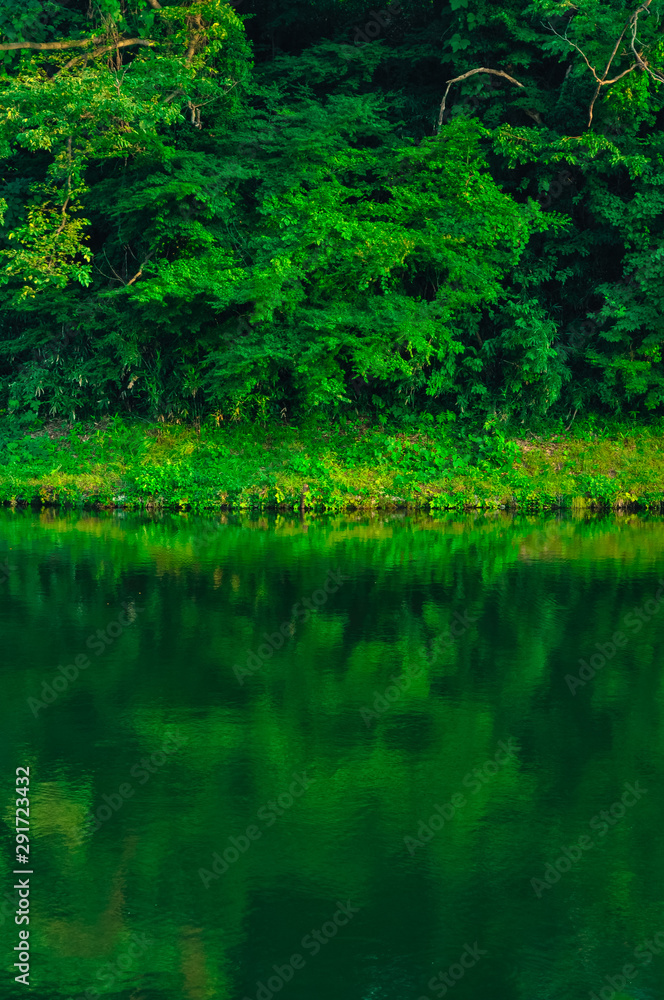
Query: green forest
point(273, 210)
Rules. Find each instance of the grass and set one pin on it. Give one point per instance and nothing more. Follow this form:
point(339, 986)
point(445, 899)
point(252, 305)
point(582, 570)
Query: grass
point(423, 464)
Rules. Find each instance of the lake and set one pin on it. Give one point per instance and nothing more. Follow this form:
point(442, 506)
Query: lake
point(371, 757)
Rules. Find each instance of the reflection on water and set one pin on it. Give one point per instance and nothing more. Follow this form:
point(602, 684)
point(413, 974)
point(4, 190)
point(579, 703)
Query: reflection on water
point(361, 757)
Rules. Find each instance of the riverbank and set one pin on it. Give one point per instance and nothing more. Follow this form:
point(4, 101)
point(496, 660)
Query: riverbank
point(335, 467)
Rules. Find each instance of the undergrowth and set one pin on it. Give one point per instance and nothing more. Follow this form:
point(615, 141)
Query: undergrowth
point(423, 463)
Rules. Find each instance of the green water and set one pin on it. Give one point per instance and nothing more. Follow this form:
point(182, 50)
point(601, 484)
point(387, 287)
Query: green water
point(234, 796)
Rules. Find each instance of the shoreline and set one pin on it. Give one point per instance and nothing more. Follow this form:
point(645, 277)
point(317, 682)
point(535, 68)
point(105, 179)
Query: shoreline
point(118, 465)
point(573, 504)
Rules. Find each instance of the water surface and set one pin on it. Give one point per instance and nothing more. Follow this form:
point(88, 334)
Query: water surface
point(373, 758)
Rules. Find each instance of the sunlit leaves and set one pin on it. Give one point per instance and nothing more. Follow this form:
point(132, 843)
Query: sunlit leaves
point(47, 251)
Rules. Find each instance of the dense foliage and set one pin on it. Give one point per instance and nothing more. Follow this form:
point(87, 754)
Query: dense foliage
point(266, 210)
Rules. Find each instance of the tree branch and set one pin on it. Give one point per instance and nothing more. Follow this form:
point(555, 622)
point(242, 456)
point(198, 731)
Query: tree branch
point(131, 280)
point(193, 41)
point(64, 207)
point(118, 278)
point(139, 272)
point(464, 76)
point(640, 63)
point(574, 46)
point(605, 83)
point(122, 43)
point(171, 96)
point(64, 218)
point(613, 54)
point(77, 43)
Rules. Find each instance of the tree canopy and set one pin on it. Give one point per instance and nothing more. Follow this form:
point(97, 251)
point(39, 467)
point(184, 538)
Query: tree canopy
point(307, 208)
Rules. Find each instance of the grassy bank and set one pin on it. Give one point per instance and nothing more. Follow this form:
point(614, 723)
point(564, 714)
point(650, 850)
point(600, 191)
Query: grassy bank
point(426, 464)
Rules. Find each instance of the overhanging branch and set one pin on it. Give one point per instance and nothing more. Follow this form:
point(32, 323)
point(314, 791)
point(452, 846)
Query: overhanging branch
point(76, 43)
point(120, 44)
point(464, 76)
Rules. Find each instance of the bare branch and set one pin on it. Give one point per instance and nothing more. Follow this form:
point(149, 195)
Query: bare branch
point(139, 272)
point(464, 76)
point(112, 269)
point(640, 64)
point(612, 56)
point(122, 43)
point(155, 4)
point(625, 72)
point(131, 280)
point(640, 61)
point(651, 73)
point(77, 43)
point(574, 46)
point(603, 82)
point(592, 103)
